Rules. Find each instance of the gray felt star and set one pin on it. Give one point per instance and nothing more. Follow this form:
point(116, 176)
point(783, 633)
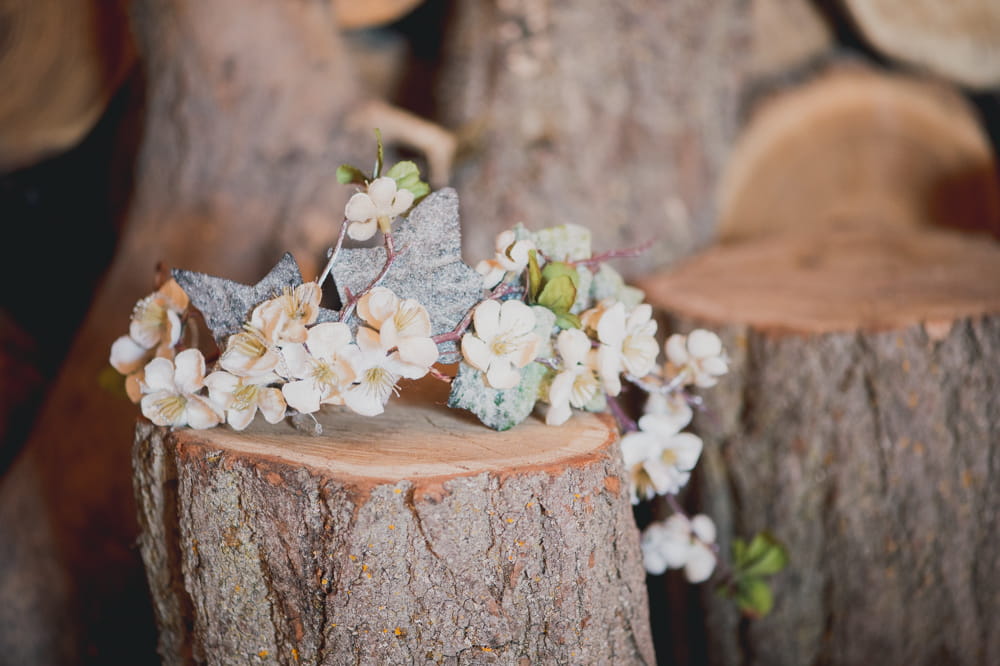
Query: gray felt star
point(430, 267)
point(226, 304)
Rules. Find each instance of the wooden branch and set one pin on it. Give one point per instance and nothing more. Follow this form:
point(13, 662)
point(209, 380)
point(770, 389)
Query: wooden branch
point(856, 148)
point(417, 535)
point(858, 424)
point(957, 39)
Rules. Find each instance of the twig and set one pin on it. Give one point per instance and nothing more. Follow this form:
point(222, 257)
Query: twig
point(333, 254)
point(624, 422)
point(626, 253)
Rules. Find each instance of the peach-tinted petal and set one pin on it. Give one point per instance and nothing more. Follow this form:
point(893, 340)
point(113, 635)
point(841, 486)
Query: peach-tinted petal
point(362, 231)
point(326, 339)
point(382, 192)
point(611, 327)
point(127, 355)
point(240, 418)
point(272, 404)
point(377, 305)
point(526, 350)
point(475, 351)
point(573, 346)
point(676, 349)
point(421, 352)
point(402, 202)
point(516, 317)
point(133, 386)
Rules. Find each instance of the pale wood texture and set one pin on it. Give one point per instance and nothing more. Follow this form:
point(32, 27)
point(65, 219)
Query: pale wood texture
point(787, 34)
point(614, 115)
point(415, 536)
point(354, 14)
point(863, 437)
point(957, 39)
point(60, 63)
point(244, 127)
point(856, 148)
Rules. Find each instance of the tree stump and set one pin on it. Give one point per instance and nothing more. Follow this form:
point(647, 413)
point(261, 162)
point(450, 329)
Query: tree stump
point(956, 39)
point(614, 115)
point(856, 147)
point(859, 425)
point(415, 537)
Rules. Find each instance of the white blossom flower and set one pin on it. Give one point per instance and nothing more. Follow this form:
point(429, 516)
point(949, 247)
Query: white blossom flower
point(679, 542)
point(403, 325)
point(285, 318)
point(658, 457)
point(241, 397)
point(376, 208)
point(376, 372)
point(250, 353)
point(698, 355)
point(511, 257)
point(627, 341)
point(154, 329)
point(322, 369)
point(504, 341)
point(671, 405)
point(575, 384)
point(169, 392)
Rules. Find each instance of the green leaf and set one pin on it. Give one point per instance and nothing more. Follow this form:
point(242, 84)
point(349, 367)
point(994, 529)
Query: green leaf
point(566, 320)
point(534, 277)
point(350, 175)
point(555, 269)
point(558, 294)
point(763, 557)
point(754, 597)
point(377, 171)
point(407, 177)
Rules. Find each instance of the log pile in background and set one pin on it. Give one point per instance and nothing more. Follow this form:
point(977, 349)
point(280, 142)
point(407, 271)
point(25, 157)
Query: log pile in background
point(418, 535)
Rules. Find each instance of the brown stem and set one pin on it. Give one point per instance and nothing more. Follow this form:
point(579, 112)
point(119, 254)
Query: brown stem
point(626, 253)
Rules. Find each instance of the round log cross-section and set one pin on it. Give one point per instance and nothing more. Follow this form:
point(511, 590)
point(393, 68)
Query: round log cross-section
point(415, 537)
point(858, 424)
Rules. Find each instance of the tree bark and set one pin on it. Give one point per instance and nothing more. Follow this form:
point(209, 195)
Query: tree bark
point(858, 424)
point(415, 537)
point(858, 148)
point(616, 116)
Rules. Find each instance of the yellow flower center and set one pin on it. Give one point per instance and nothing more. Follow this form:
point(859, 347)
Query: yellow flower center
point(505, 343)
point(325, 375)
point(250, 342)
point(150, 312)
point(669, 457)
point(245, 396)
point(379, 383)
point(295, 308)
point(171, 407)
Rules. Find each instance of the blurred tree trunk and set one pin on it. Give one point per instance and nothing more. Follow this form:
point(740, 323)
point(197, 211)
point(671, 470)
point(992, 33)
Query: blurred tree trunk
point(616, 116)
point(246, 102)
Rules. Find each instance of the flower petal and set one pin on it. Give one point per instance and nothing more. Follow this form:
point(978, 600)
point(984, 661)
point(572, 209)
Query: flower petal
point(362, 231)
point(328, 338)
point(687, 448)
point(241, 418)
point(703, 528)
point(302, 395)
point(127, 355)
point(486, 319)
point(573, 345)
point(190, 371)
point(516, 317)
point(377, 305)
point(476, 352)
point(159, 376)
point(421, 352)
point(363, 401)
point(401, 202)
point(382, 191)
point(611, 327)
point(272, 404)
point(360, 208)
point(702, 343)
point(502, 374)
point(700, 563)
point(676, 349)
point(201, 413)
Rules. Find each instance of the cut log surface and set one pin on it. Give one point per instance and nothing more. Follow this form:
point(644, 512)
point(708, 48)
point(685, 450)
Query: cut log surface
point(859, 148)
point(859, 425)
point(957, 39)
point(416, 537)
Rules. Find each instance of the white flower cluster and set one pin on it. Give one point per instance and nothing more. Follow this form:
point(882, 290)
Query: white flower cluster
point(283, 359)
point(680, 542)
